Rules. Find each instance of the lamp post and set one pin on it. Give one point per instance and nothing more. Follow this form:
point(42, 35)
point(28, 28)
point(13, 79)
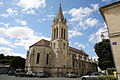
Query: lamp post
point(102, 36)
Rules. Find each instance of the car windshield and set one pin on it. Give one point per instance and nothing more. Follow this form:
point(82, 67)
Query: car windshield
point(95, 73)
point(41, 72)
point(18, 71)
point(72, 72)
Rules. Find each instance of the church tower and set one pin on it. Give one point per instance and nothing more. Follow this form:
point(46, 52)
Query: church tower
point(59, 40)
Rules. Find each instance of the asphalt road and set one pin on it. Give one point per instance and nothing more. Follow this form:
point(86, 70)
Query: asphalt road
point(6, 77)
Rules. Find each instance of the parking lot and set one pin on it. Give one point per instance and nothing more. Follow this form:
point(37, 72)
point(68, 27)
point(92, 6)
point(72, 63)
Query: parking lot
point(6, 77)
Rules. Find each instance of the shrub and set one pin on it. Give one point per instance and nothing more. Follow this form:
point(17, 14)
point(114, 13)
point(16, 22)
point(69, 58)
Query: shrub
point(107, 77)
point(110, 71)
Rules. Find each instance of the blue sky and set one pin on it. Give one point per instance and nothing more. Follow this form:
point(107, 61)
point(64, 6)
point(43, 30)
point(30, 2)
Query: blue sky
point(23, 22)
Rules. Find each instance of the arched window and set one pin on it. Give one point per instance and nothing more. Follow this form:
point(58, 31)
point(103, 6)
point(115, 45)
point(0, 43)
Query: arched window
point(57, 33)
point(47, 58)
point(38, 56)
point(54, 34)
point(64, 33)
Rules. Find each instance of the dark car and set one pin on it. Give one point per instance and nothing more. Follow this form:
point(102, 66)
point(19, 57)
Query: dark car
point(11, 72)
point(92, 76)
point(20, 73)
point(41, 74)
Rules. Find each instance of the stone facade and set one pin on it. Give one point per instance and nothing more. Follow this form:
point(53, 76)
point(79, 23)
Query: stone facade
point(56, 57)
point(111, 14)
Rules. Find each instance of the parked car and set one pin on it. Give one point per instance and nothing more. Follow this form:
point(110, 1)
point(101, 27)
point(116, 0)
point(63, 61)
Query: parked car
point(11, 72)
point(31, 74)
point(71, 74)
point(41, 74)
point(21, 73)
point(92, 76)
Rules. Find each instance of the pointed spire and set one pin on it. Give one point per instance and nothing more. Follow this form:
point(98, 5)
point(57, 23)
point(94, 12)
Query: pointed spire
point(60, 5)
point(60, 14)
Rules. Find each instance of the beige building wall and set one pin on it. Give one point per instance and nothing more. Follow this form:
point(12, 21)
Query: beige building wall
point(43, 51)
point(111, 14)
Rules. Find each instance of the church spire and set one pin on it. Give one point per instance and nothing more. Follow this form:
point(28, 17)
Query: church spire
point(59, 17)
point(60, 13)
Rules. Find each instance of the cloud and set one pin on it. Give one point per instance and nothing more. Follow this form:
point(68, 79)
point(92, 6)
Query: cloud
point(80, 13)
point(47, 18)
point(91, 22)
point(28, 42)
point(20, 32)
point(4, 41)
point(31, 11)
point(74, 33)
point(96, 37)
point(1, 2)
point(80, 45)
point(10, 12)
point(3, 32)
point(106, 0)
point(29, 6)
point(51, 16)
point(22, 36)
point(8, 51)
point(81, 18)
point(95, 6)
point(22, 22)
point(5, 24)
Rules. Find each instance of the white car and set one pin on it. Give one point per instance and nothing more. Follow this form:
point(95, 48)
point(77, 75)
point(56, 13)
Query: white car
point(92, 76)
point(31, 74)
point(71, 74)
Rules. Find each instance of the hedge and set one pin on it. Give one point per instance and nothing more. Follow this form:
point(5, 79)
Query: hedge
point(107, 77)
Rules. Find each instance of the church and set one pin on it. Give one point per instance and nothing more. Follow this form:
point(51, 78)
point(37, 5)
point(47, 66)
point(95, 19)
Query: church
point(56, 57)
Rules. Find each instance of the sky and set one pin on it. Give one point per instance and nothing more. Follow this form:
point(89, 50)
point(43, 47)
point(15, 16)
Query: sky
point(24, 22)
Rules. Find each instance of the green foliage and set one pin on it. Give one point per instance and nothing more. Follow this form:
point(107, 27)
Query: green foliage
point(110, 71)
point(4, 61)
point(104, 52)
point(107, 77)
point(14, 61)
point(2, 56)
point(17, 62)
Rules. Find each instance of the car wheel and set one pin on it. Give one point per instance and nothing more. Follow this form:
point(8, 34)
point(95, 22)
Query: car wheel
point(83, 78)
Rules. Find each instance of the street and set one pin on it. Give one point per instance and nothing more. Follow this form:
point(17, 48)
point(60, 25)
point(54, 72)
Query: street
point(6, 77)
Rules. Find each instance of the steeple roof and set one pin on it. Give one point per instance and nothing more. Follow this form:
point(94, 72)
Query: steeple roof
point(60, 14)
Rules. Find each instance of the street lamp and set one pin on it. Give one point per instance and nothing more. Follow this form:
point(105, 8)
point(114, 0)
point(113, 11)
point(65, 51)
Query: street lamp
point(102, 36)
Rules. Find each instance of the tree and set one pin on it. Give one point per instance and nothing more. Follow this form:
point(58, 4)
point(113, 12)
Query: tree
point(17, 62)
point(104, 52)
point(14, 61)
point(2, 56)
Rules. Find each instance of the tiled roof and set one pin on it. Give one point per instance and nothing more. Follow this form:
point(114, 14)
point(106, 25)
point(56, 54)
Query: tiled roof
point(42, 42)
point(78, 51)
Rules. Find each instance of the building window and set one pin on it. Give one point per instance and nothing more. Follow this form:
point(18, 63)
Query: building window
point(57, 33)
point(47, 58)
point(64, 33)
point(54, 33)
point(73, 63)
point(38, 56)
point(64, 45)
